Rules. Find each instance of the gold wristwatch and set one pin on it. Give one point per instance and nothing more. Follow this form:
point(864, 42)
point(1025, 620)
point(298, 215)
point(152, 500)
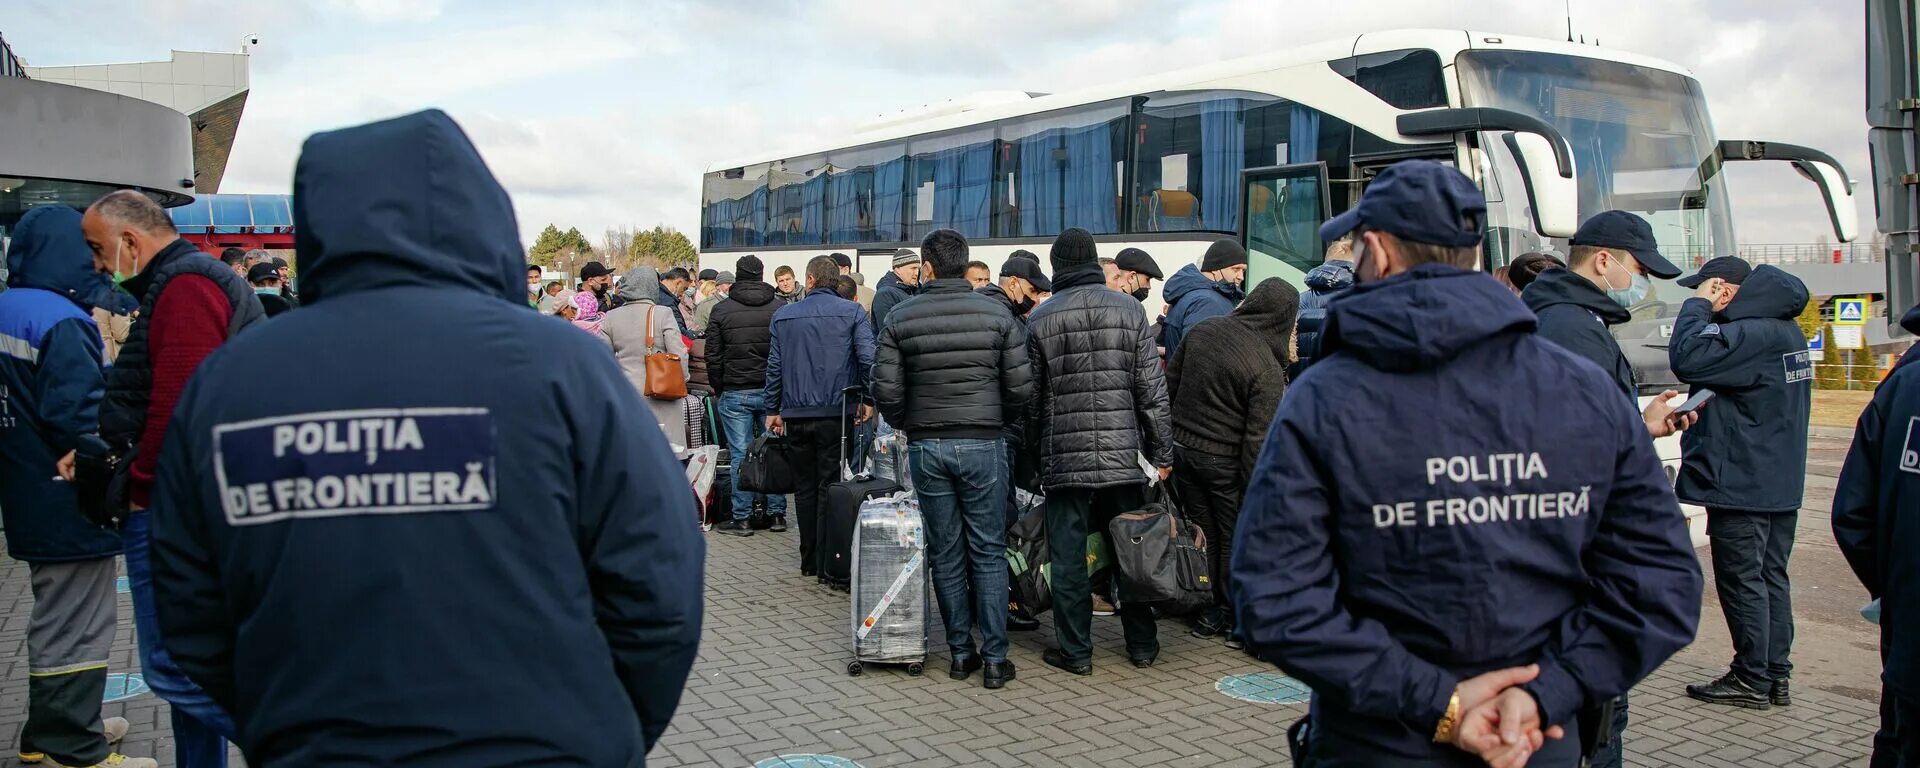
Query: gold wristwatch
point(1443, 734)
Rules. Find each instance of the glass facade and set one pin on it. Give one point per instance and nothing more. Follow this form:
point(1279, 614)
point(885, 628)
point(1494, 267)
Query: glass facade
point(234, 214)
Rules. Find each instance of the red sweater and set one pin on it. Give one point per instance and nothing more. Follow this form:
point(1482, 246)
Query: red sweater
point(189, 322)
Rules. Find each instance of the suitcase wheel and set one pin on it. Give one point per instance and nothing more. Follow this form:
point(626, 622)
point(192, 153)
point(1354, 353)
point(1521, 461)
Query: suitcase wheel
point(914, 669)
point(853, 668)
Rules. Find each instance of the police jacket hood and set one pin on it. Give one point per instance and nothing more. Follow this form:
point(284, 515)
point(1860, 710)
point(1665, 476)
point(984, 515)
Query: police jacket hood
point(50, 253)
point(1767, 293)
point(440, 220)
point(1556, 287)
point(641, 285)
point(1413, 320)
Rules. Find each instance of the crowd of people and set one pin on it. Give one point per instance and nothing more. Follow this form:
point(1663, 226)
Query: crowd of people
point(1459, 571)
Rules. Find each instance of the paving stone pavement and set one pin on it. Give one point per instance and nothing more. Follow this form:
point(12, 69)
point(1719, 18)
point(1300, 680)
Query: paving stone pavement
point(771, 680)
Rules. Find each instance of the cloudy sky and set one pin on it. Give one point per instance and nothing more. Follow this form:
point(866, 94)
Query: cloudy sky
point(599, 113)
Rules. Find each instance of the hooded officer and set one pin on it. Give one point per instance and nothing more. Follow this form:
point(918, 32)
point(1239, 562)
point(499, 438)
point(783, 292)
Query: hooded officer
point(1747, 464)
point(1509, 554)
point(412, 564)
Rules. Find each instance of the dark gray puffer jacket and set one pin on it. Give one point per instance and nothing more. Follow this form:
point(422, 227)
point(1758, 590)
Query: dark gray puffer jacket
point(1099, 392)
point(951, 363)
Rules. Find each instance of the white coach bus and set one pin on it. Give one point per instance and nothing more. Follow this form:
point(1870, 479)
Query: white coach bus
point(1264, 149)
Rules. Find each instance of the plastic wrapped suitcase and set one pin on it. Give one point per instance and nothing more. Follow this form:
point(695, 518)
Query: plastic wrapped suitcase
point(890, 585)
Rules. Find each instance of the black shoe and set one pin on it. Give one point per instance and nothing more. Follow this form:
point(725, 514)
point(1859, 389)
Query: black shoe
point(1780, 696)
point(1202, 629)
point(779, 524)
point(1234, 643)
point(1019, 623)
point(1144, 661)
point(963, 668)
point(805, 572)
point(1054, 658)
point(1731, 691)
point(998, 674)
point(734, 528)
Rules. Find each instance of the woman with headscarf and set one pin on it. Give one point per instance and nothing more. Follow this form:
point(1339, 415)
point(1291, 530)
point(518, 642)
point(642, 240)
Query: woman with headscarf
point(640, 327)
point(587, 315)
point(1223, 386)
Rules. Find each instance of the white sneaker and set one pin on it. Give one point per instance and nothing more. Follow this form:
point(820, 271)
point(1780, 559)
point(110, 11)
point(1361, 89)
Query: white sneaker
point(115, 760)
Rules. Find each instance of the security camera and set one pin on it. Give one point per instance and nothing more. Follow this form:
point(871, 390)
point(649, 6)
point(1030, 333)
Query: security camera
point(253, 39)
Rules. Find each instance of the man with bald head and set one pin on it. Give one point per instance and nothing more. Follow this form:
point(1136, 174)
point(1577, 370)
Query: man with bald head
point(190, 304)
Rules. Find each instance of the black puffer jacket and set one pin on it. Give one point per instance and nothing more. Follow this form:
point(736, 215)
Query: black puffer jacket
point(1227, 378)
point(1100, 396)
point(951, 363)
point(738, 335)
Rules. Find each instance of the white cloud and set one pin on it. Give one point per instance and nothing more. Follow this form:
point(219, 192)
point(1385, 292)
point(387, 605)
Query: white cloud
point(391, 11)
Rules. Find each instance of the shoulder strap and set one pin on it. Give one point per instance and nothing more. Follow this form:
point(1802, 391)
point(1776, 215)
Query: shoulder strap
point(650, 309)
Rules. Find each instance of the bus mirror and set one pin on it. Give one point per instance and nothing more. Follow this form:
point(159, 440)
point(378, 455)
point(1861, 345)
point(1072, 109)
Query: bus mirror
point(1836, 189)
point(1553, 198)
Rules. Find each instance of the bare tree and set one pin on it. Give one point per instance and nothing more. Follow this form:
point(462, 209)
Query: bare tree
point(617, 246)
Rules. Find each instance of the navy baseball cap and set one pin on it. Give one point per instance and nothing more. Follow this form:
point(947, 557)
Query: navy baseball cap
point(1630, 233)
point(1732, 269)
point(1418, 200)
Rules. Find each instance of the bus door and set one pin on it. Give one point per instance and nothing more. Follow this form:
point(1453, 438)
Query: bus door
point(1281, 210)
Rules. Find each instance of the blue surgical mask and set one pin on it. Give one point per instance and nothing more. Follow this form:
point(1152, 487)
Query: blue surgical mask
point(1635, 292)
point(266, 291)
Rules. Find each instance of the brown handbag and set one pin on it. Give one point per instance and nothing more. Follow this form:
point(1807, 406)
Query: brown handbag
point(666, 380)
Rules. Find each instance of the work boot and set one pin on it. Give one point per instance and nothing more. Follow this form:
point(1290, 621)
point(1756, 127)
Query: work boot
point(113, 728)
point(734, 528)
point(1731, 691)
point(1018, 620)
point(1780, 696)
point(779, 524)
point(963, 668)
point(1101, 607)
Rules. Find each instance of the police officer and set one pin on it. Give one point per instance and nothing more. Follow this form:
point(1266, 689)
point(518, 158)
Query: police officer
point(1747, 464)
point(1508, 556)
point(1874, 524)
point(437, 563)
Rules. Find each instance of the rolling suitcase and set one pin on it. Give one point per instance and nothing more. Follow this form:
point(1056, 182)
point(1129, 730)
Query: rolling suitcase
point(890, 586)
point(833, 534)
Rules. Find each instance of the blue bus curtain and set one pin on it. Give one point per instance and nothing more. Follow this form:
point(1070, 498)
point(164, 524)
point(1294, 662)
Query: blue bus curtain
point(1080, 193)
point(963, 189)
point(1223, 154)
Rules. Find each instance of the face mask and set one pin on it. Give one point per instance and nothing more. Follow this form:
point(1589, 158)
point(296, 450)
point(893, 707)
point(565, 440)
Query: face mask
point(1141, 294)
point(266, 291)
point(1361, 268)
point(1026, 304)
point(117, 275)
point(1635, 292)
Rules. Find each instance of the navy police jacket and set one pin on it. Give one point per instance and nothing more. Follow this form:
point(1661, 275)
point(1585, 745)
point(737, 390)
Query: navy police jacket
point(461, 543)
point(1444, 494)
point(1749, 451)
point(51, 384)
point(1876, 520)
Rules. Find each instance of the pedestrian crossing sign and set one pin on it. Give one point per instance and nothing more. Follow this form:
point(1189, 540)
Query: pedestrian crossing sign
point(1850, 311)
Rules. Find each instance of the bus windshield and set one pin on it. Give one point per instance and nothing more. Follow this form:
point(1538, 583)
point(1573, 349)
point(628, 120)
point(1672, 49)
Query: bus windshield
point(1642, 143)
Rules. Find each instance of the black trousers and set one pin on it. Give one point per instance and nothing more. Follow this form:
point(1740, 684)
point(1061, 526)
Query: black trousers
point(816, 444)
point(1897, 743)
point(1750, 551)
point(1211, 488)
point(1071, 514)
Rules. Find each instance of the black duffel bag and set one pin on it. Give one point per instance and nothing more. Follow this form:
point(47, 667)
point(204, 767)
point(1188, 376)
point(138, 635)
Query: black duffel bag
point(1028, 558)
point(1162, 558)
point(767, 467)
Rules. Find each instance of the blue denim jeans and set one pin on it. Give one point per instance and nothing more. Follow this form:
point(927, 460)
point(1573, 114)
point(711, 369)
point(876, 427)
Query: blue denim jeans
point(962, 485)
point(743, 414)
point(201, 729)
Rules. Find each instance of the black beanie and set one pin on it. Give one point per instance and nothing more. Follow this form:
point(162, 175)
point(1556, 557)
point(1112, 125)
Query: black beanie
point(1073, 248)
point(749, 269)
point(1223, 254)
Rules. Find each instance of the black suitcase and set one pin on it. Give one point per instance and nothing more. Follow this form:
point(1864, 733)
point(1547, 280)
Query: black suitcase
point(840, 510)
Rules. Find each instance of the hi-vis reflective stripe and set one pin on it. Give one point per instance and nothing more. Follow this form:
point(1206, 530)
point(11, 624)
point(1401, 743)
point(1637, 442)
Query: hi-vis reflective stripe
point(68, 669)
point(14, 346)
point(886, 601)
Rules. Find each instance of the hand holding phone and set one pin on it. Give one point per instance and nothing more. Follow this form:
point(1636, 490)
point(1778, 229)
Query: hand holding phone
point(1699, 398)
